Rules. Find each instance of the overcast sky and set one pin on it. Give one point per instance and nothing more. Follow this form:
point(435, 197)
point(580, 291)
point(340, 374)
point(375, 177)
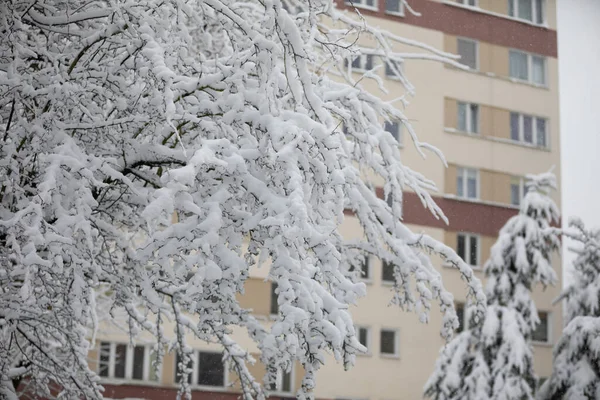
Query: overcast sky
point(579, 85)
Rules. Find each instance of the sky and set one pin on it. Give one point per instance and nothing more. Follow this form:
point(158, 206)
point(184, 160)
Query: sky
point(579, 86)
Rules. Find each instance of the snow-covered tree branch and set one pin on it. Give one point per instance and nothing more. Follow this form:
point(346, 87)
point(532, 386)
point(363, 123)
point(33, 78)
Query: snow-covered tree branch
point(117, 115)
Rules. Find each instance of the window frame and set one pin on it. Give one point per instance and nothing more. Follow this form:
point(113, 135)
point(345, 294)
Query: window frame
point(195, 355)
point(398, 135)
point(476, 43)
point(385, 281)
point(467, 236)
point(468, 117)
point(359, 4)
point(129, 358)
point(363, 63)
point(465, 3)
point(279, 382)
point(369, 339)
point(521, 133)
point(399, 65)
point(529, 57)
point(397, 13)
point(522, 190)
point(396, 353)
point(365, 261)
point(196, 370)
point(533, 21)
point(548, 326)
point(464, 171)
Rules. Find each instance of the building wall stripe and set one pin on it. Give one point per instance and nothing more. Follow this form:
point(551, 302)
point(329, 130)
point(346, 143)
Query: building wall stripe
point(461, 21)
point(463, 216)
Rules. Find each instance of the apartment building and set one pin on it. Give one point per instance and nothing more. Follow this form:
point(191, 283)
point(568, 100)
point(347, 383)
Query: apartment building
point(494, 123)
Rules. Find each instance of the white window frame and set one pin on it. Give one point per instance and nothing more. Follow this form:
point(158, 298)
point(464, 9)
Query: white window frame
point(521, 189)
point(534, 136)
point(396, 353)
point(515, 4)
point(467, 236)
point(369, 339)
point(362, 4)
point(279, 383)
point(363, 62)
point(469, 118)
point(464, 171)
point(529, 79)
point(549, 324)
point(398, 136)
point(476, 42)
point(194, 374)
point(397, 13)
point(399, 65)
point(128, 363)
point(466, 3)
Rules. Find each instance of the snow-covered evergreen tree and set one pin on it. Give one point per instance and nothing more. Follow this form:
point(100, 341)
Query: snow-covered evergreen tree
point(576, 371)
point(152, 151)
point(493, 359)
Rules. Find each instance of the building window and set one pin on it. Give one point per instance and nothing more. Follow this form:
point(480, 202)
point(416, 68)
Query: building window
point(470, 3)
point(365, 268)
point(463, 320)
point(371, 4)
point(361, 63)
point(395, 7)
point(207, 369)
point(393, 69)
point(284, 382)
point(211, 371)
point(541, 333)
point(394, 128)
point(467, 183)
point(527, 10)
point(538, 70)
point(517, 190)
point(120, 361)
point(467, 248)
point(468, 117)
point(364, 337)
point(138, 363)
point(389, 342)
point(468, 49)
point(274, 309)
point(179, 368)
point(387, 272)
point(528, 129)
point(527, 67)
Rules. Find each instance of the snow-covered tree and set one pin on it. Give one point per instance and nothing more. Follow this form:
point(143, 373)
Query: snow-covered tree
point(576, 371)
point(153, 151)
point(493, 359)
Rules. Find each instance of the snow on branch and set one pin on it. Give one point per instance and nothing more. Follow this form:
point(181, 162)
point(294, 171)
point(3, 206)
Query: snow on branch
point(153, 152)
